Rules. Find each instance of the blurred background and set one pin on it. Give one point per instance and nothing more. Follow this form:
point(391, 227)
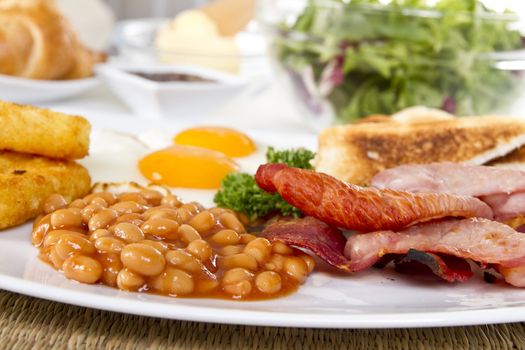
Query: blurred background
point(315, 61)
point(154, 8)
point(161, 8)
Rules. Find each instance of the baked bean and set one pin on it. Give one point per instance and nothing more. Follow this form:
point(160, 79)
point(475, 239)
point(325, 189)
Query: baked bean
point(207, 286)
point(89, 210)
point(54, 202)
point(243, 218)
point(128, 232)
point(281, 248)
point(143, 259)
point(100, 201)
point(192, 207)
point(188, 234)
point(246, 238)
point(78, 203)
point(90, 197)
point(232, 250)
point(237, 282)
point(276, 263)
point(129, 280)
point(99, 233)
point(296, 267)
point(259, 248)
point(184, 215)
point(110, 198)
point(239, 260)
point(235, 275)
point(161, 213)
point(132, 197)
point(55, 259)
point(109, 245)
point(218, 211)
point(111, 266)
point(173, 282)
point(40, 231)
point(82, 268)
point(230, 221)
point(225, 237)
point(171, 201)
point(127, 207)
point(310, 262)
point(151, 196)
point(239, 289)
point(133, 218)
point(164, 228)
point(52, 237)
point(102, 219)
point(37, 220)
point(159, 245)
point(64, 218)
point(183, 260)
point(268, 282)
point(69, 244)
point(202, 222)
point(200, 249)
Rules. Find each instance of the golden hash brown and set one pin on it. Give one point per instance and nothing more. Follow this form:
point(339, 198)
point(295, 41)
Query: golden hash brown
point(26, 181)
point(28, 129)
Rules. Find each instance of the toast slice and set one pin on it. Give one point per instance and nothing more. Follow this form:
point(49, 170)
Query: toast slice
point(26, 181)
point(514, 160)
point(356, 152)
point(28, 129)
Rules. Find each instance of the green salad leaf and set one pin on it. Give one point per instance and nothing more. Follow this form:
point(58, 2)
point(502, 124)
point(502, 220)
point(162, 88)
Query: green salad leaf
point(240, 192)
point(378, 59)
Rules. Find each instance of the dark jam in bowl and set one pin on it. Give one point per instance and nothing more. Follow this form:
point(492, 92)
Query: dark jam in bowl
point(173, 77)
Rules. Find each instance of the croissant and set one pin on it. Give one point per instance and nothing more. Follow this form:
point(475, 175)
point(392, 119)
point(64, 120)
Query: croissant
point(37, 42)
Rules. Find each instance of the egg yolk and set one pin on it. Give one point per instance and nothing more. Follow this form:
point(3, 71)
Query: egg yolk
point(187, 166)
point(228, 141)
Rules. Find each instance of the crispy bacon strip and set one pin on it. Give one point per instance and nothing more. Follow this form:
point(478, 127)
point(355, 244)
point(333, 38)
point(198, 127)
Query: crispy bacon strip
point(502, 189)
point(456, 178)
point(363, 209)
point(449, 268)
point(326, 242)
point(484, 241)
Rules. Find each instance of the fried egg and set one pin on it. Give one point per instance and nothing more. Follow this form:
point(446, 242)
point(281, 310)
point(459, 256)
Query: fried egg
point(120, 157)
point(228, 141)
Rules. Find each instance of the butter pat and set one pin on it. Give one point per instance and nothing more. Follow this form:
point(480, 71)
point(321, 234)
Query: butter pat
point(194, 38)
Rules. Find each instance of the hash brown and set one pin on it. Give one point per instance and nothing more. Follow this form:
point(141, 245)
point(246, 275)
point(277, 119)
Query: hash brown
point(26, 181)
point(29, 129)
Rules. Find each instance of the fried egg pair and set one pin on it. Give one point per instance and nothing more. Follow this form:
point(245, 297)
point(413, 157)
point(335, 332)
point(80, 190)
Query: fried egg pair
point(196, 158)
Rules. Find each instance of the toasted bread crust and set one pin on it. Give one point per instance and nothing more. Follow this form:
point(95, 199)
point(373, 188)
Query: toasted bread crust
point(26, 181)
point(355, 153)
point(516, 156)
point(28, 129)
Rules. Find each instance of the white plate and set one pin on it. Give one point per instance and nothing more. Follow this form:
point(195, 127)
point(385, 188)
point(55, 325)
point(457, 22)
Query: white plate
point(23, 90)
point(373, 299)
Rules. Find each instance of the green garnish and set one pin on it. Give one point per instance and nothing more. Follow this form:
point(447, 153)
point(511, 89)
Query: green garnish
point(368, 58)
point(297, 158)
point(240, 192)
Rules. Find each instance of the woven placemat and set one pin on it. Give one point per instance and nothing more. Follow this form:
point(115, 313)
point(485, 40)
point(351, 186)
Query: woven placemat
point(30, 323)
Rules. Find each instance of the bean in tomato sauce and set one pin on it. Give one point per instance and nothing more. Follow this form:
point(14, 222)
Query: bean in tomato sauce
point(149, 242)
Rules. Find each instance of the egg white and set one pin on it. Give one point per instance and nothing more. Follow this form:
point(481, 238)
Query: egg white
point(113, 157)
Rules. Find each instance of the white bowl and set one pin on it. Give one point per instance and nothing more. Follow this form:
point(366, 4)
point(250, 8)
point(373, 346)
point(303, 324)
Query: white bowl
point(22, 90)
point(135, 39)
point(181, 100)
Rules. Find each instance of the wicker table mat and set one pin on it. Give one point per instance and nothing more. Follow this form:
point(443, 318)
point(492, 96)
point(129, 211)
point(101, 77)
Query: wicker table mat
point(30, 323)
